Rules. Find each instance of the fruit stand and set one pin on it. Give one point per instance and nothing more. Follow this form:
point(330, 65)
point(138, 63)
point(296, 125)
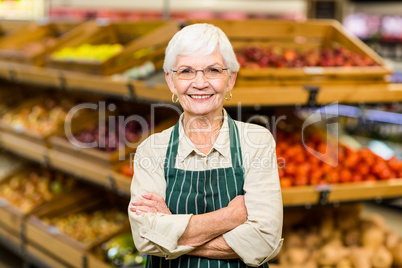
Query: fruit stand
point(279, 68)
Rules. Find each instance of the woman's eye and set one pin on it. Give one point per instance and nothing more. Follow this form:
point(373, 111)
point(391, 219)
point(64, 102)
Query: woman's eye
point(213, 70)
point(186, 71)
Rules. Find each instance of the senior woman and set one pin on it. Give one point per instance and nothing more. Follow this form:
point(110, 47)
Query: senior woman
point(205, 192)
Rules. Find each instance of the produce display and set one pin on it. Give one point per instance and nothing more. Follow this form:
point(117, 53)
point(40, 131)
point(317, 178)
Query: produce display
point(120, 251)
point(87, 53)
point(275, 56)
point(40, 119)
point(28, 190)
point(110, 138)
point(9, 97)
point(9, 164)
point(136, 72)
point(31, 48)
point(88, 227)
point(127, 170)
point(338, 238)
point(298, 167)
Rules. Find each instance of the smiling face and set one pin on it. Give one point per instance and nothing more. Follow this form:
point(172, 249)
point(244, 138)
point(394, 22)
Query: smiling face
point(201, 96)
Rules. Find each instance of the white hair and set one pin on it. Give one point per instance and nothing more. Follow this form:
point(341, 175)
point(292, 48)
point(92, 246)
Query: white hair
point(200, 39)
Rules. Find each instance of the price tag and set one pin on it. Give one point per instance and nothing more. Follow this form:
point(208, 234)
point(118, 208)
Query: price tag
point(323, 187)
point(3, 202)
point(102, 22)
point(43, 21)
point(54, 230)
point(313, 70)
point(324, 191)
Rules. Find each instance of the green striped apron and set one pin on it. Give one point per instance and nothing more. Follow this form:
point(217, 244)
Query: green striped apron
point(198, 192)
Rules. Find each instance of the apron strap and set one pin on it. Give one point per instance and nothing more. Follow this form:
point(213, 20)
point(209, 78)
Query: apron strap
point(172, 149)
point(235, 148)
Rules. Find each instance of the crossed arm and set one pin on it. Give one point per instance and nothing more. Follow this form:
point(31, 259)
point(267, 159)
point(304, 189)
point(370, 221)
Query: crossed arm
point(204, 231)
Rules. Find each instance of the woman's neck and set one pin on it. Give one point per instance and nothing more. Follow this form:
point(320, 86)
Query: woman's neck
point(203, 130)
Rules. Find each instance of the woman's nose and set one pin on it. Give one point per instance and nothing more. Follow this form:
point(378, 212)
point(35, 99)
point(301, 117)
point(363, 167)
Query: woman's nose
point(200, 78)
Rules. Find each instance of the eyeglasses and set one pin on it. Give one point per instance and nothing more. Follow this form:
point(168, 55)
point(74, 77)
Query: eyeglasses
point(209, 73)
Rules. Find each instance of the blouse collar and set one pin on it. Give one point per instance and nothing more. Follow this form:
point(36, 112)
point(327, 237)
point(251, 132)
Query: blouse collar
point(222, 143)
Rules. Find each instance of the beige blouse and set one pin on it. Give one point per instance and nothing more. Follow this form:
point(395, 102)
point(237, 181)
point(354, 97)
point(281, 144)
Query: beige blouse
point(258, 239)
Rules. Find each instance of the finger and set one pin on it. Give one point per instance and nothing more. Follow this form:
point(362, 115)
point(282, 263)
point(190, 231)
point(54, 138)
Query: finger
point(139, 212)
point(146, 209)
point(153, 196)
point(144, 202)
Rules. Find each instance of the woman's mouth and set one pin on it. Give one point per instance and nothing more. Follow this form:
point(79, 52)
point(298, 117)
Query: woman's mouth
point(200, 97)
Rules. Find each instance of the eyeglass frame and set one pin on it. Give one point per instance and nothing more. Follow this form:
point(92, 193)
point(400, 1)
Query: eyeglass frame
point(200, 70)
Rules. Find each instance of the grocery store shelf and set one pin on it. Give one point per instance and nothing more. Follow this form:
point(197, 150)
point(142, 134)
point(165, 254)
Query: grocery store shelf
point(338, 193)
point(296, 196)
point(10, 243)
point(366, 191)
point(245, 93)
point(85, 169)
point(101, 174)
point(22, 146)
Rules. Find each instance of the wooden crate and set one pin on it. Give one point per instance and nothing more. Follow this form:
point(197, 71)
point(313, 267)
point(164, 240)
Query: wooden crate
point(9, 26)
point(96, 257)
point(30, 42)
point(106, 159)
point(39, 137)
point(10, 164)
point(300, 36)
point(10, 97)
point(11, 216)
point(10, 236)
point(142, 41)
point(50, 241)
point(122, 181)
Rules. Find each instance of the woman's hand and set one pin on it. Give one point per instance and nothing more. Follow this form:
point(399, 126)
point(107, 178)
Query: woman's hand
point(152, 203)
point(238, 210)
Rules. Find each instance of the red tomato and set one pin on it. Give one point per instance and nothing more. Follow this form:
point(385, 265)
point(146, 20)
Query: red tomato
point(300, 180)
point(341, 156)
point(332, 177)
point(345, 175)
point(127, 170)
point(351, 160)
point(378, 167)
point(395, 164)
point(315, 180)
point(285, 182)
point(385, 174)
point(314, 161)
point(291, 169)
point(316, 175)
point(300, 158)
point(363, 169)
point(370, 177)
point(326, 168)
point(357, 177)
point(303, 168)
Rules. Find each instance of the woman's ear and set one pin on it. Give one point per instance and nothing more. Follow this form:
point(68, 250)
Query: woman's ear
point(231, 81)
point(170, 83)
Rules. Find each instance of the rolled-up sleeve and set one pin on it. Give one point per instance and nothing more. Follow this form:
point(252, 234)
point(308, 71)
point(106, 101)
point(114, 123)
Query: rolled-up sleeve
point(154, 234)
point(259, 238)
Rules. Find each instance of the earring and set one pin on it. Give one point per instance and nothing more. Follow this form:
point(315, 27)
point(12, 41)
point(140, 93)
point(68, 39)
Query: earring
point(230, 96)
point(173, 100)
